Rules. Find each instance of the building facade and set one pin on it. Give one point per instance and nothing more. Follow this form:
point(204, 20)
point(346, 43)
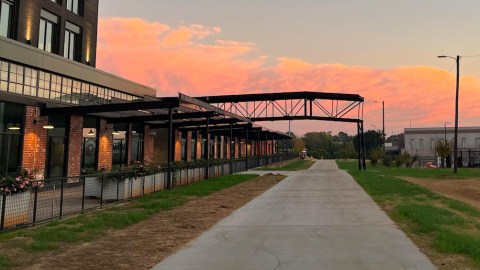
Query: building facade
point(47, 60)
point(422, 142)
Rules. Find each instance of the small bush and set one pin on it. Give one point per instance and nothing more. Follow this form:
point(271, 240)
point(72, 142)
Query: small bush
point(375, 155)
point(387, 161)
point(399, 160)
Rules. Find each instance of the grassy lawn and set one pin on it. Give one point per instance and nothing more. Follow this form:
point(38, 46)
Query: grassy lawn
point(86, 227)
point(296, 166)
point(440, 226)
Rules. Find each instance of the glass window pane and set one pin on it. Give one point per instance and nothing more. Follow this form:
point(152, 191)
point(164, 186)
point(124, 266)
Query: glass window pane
point(75, 6)
point(72, 47)
point(10, 149)
point(5, 20)
point(69, 4)
point(41, 37)
point(89, 150)
point(66, 45)
point(56, 157)
point(49, 38)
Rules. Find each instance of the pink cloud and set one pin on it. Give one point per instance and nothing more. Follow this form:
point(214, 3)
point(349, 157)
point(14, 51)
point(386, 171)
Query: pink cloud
point(176, 60)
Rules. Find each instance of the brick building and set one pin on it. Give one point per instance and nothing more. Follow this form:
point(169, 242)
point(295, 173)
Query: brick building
point(50, 95)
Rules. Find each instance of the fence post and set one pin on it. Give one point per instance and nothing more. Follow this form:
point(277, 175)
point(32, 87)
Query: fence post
point(35, 200)
point(2, 221)
point(118, 190)
point(101, 194)
point(83, 195)
point(61, 199)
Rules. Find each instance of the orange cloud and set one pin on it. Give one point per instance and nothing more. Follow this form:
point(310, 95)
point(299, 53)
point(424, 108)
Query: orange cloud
point(175, 60)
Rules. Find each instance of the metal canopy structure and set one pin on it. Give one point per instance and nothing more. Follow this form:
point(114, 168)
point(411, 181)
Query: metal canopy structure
point(289, 106)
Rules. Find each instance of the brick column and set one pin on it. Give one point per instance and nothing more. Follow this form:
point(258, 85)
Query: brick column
point(35, 142)
point(105, 145)
point(236, 147)
point(178, 146)
point(189, 146)
point(199, 146)
point(243, 147)
point(148, 145)
point(160, 146)
point(75, 145)
point(228, 148)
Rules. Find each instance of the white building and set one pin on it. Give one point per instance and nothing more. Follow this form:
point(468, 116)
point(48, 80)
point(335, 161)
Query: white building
point(422, 141)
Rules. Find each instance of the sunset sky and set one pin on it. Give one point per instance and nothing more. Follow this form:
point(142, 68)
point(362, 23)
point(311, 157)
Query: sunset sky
point(382, 50)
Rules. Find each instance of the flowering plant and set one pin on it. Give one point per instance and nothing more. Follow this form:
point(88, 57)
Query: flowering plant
point(14, 185)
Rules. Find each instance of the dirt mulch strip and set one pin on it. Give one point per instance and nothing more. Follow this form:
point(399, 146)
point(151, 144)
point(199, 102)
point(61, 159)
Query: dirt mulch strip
point(147, 243)
point(465, 190)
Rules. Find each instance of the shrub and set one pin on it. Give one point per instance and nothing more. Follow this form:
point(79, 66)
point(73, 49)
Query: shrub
point(399, 160)
point(387, 161)
point(375, 155)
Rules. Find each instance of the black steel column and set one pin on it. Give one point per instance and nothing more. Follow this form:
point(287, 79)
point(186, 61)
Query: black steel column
point(363, 150)
point(311, 107)
point(265, 146)
point(232, 156)
point(258, 143)
point(207, 147)
point(246, 148)
point(170, 147)
point(359, 148)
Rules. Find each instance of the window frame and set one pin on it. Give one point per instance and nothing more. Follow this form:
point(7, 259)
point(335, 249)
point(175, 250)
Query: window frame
point(55, 34)
point(11, 19)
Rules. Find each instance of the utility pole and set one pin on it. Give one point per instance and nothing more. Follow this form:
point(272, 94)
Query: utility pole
point(455, 147)
point(383, 134)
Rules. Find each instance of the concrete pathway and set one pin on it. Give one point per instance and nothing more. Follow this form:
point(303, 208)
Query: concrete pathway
point(315, 219)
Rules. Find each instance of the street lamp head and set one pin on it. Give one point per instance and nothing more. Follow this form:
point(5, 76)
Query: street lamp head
point(442, 56)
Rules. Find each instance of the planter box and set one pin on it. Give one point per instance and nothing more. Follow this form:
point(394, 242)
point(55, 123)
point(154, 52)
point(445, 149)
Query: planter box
point(16, 209)
point(159, 182)
point(92, 187)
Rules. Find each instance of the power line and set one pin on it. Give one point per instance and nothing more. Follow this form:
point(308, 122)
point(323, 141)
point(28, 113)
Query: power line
point(430, 90)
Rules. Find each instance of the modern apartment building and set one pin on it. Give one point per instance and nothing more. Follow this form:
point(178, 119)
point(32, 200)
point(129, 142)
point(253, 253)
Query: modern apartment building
point(59, 115)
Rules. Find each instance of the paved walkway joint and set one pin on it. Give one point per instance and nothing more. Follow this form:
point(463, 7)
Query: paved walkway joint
point(315, 219)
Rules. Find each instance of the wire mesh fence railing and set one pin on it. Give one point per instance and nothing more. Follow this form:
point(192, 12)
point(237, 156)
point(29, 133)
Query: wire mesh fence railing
point(56, 198)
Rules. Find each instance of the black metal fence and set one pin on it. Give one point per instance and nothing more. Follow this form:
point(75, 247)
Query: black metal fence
point(56, 198)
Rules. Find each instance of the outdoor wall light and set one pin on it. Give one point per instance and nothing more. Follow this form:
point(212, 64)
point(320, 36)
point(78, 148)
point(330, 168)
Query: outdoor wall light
point(29, 42)
point(115, 132)
point(91, 133)
point(48, 126)
point(14, 127)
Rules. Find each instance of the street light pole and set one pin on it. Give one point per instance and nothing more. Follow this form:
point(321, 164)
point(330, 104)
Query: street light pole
point(455, 147)
point(383, 115)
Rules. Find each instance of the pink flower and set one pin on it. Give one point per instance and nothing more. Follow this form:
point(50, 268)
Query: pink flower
point(18, 179)
point(14, 189)
point(1, 189)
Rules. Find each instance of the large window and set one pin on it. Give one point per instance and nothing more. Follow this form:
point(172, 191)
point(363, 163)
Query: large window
point(75, 6)
point(202, 148)
point(138, 132)
point(72, 42)
point(6, 18)
point(183, 146)
point(11, 130)
point(57, 139)
point(90, 143)
point(120, 144)
point(48, 32)
point(194, 146)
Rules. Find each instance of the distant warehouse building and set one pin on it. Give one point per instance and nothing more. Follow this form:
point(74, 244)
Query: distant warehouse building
point(422, 142)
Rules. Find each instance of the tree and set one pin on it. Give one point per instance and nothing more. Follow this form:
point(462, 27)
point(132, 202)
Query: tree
point(348, 150)
point(298, 145)
point(443, 149)
point(373, 139)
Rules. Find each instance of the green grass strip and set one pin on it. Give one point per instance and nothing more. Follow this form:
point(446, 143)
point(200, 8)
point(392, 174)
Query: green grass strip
point(454, 225)
point(86, 227)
